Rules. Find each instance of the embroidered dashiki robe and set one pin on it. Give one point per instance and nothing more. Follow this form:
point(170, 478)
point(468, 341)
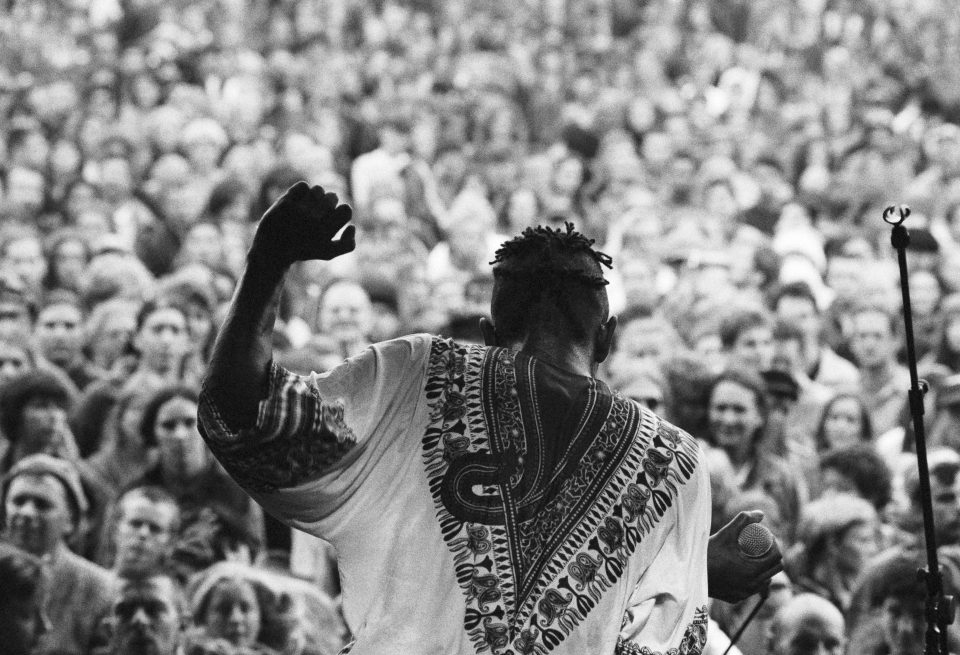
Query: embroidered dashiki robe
point(484, 502)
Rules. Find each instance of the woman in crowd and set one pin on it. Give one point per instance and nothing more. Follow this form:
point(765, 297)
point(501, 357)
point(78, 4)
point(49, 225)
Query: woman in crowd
point(738, 409)
point(844, 422)
point(68, 253)
point(231, 604)
point(184, 465)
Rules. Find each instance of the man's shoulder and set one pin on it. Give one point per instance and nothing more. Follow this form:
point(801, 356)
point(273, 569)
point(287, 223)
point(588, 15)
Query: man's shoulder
point(90, 581)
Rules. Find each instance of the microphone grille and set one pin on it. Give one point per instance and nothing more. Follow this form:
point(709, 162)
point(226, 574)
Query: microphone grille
point(755, 540)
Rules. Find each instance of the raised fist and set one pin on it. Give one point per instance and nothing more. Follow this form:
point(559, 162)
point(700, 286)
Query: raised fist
point(301, 225)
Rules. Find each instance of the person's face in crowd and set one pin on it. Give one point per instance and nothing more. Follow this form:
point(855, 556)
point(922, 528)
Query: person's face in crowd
point(946, 508)
point(952, 333)
point(522, 209)
point(101, 104)
point(424, 138)
point(387, 224)
point(657, 150)
point(22, 622)
point(710, 280)
point(81, 198)
point(24, 191)
point(14, 319)
point(953, 222)
point(34, 152)
point(789, 356)
point(203, 154)
point(70, 262)
point(200, 324)
point(345, 312)
point(719, 200)
point(843, 424)
point(501, 176)
point(845, 276)
point(639, 282)
point(59, 333)
point(735, 418)
point(646, 392)
point(112, 339)
point(42, 425)
point(233, 613)
point(644, 227)
point(65, 160)
point(144, 533)
point(183, 453)
point(183, 205)
point(145, 91)
point(147, 618)
point(117, 180)
point(37, 513)
point(25, 258)
point(203, 244)
point(754, 347)
point(14, 360)
point(812, 633)
point(238, 209)
point(924, 292)
point(871, 339)
point(802, 313)
point(640, 342)
point(854, 547)
point(903, 625)
point(394, 141)
point(568, 176)
point(163, 340)
point(709, 349)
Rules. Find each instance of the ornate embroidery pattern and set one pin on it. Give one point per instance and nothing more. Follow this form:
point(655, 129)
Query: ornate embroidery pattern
point(536, 543)
point(304, 436)
point(692, 643)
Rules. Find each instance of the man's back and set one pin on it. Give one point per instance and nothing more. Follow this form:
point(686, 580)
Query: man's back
point(483, 499)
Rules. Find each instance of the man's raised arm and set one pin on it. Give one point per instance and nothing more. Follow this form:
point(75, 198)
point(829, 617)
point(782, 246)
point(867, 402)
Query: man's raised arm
point(301, 225)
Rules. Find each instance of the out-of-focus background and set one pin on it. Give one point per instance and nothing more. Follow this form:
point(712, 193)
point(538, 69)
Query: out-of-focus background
point(733, 157)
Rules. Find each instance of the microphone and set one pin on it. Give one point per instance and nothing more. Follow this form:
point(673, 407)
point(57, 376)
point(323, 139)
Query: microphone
point(753, 542)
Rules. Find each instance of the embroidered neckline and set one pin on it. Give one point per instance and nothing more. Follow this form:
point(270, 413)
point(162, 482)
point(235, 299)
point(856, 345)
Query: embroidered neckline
point(538, 535)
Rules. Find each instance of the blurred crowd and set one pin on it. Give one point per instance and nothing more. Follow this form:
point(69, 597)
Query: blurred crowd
point(732, 156)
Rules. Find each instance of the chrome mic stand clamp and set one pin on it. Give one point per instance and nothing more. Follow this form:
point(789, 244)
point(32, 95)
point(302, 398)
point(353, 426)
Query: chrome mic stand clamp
point(940, 610)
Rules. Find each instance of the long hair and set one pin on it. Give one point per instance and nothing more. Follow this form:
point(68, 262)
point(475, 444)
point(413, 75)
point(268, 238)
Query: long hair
point(866, 425)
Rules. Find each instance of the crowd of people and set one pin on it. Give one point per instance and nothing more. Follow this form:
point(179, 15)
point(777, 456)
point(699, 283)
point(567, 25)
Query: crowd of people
point(732, 157)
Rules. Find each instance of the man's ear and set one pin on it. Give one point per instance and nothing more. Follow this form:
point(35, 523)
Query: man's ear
point(488, 331)
point(603, 341)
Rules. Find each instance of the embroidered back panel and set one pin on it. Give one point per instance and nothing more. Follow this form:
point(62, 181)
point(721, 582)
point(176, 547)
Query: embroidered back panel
point(539, 525)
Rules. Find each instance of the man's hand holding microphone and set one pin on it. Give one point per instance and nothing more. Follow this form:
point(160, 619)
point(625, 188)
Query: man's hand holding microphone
point(741, 558)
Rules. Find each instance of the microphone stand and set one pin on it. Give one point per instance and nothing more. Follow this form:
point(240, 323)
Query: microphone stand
point(939, 607)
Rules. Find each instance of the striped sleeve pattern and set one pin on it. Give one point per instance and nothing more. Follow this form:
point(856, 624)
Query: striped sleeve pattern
point(297, 436)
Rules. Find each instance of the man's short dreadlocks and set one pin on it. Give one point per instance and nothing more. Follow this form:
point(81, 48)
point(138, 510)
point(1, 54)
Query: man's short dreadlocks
point(552, 278)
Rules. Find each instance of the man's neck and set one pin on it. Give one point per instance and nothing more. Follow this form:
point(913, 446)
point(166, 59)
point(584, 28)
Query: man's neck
point(877, 375)
point(567, 357)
